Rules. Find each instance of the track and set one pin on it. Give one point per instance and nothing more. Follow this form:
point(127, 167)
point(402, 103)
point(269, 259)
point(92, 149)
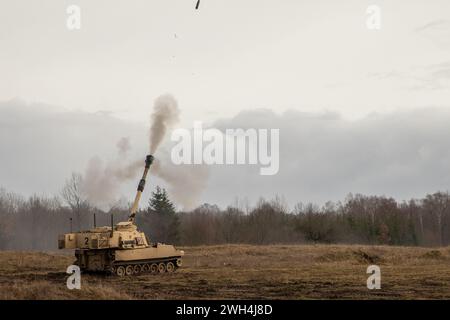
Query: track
point(130, 268)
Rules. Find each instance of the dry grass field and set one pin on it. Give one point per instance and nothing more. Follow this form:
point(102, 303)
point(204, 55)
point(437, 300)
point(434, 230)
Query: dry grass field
point(244, 272)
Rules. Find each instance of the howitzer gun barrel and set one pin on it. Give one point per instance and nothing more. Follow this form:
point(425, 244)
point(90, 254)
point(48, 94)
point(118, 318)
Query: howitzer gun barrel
point(140, 188)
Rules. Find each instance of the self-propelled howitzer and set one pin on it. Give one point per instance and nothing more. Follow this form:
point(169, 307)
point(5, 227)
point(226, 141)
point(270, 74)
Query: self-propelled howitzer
point(121, 249)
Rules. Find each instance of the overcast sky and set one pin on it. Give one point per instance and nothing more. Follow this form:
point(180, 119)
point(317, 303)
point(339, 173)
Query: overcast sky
point(321, 75)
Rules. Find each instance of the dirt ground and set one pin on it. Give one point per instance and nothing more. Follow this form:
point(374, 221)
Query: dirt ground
point(244, 272)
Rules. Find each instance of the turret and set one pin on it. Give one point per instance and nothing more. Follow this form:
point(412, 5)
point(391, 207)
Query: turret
point(140, 188)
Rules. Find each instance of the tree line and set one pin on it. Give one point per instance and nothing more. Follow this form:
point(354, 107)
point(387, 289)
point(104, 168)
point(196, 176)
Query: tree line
point(34, 223)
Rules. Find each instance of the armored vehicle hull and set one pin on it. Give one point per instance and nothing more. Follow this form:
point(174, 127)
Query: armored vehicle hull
point(158, 258)
point(121, 249)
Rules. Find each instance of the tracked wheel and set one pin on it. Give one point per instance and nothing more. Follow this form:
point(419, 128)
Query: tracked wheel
point(129, 270)
point(161, 267)
point(179, 262)
point(146, 268)
point(170, 267)
point(120, 271)
point(154, 268)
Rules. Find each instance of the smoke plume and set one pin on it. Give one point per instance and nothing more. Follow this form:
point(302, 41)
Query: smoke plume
point(185, 182)
point(124, 146)
point(165, 115)
point(102, 180)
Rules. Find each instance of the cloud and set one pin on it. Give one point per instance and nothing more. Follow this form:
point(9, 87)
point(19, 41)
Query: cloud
point(427, 77)
point(441, 70)
point(438, 31)
point(433, 25)
point(41, 145)
point(323, 156)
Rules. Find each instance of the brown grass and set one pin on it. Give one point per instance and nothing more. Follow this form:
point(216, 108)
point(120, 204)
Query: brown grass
point(244, 272)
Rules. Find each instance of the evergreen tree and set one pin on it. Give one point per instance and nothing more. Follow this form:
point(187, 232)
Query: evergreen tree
point(162, 219)
point(160, 203)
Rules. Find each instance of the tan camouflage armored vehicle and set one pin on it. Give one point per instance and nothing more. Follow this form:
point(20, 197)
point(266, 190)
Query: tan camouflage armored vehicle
point(122, 249)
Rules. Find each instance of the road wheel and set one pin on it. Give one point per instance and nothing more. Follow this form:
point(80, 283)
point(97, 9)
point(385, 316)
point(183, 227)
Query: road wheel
point(179, 262)
point(136, 269)
point(170, 267)
point(129, 270)
point(161, 268)
point(113, 270)
point(120, 271)
point(146, 267)
point(154, 268)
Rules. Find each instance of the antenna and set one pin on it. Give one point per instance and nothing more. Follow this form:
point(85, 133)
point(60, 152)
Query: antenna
point(95, 221)
point(70, 225)
point(112, 224)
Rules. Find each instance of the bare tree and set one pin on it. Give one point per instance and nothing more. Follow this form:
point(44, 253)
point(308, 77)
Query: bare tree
point(438, 205)
point(231, 225)
point(73, 195)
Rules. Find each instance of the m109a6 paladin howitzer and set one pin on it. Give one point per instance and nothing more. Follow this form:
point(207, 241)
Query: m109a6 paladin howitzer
point(121, 249)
